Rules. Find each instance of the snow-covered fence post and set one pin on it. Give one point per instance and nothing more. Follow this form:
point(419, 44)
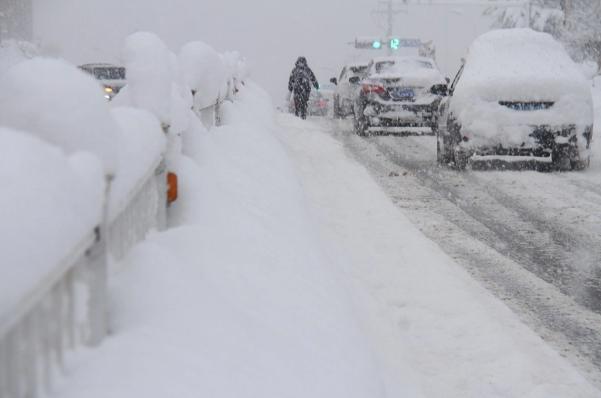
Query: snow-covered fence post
point(205, 73)
point(97, 269)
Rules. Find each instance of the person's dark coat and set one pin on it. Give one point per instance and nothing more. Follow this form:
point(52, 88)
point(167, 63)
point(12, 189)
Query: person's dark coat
point(300, 82)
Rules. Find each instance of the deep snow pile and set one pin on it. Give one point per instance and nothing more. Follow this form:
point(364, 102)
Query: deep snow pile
point(519, 61)
point(50, 201)
point(65, 106)
point(236, 300)
point(54, 168)
point(61, 105)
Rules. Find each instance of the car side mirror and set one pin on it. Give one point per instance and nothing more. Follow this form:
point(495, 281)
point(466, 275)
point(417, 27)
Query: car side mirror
point(354, 80)
point(440, 89)
point(334, 80)
point(448, 79)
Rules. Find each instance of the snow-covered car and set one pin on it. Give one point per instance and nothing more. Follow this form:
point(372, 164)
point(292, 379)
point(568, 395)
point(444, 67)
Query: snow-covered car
point(318, 104)
point(517, 97)
point(111, 77)
point(399, 95)
point(347, 88)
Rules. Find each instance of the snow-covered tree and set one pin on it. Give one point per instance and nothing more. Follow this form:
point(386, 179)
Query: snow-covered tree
point(576, 23)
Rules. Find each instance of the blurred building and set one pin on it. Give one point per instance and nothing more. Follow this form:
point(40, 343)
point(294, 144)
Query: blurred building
point(16, 19)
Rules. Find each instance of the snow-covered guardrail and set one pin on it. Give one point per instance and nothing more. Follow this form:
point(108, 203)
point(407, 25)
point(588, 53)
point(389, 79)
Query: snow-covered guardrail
point(66, 305)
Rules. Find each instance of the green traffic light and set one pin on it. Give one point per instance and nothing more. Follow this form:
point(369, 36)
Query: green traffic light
point(395, 44)
point(376, 44)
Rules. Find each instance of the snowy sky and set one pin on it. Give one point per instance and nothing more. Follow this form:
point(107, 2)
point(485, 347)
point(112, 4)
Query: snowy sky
point(270, 33)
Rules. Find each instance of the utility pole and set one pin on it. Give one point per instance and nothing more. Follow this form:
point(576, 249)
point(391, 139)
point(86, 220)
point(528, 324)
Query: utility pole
point(391, 9)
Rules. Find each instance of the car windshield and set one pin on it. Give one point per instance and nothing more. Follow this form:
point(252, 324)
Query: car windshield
point(358, 70)
point(386, 66)
point(109, 73)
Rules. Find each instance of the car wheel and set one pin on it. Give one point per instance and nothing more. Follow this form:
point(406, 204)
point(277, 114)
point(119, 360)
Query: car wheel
point(580, 164)
point(360, 126)
point(443, 155)
point(561, 159)
point(460, 159)
point(337, 112)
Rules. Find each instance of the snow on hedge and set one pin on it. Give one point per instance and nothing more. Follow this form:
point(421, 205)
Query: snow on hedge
point(139, 151)
point(204, 72)
point(149, 74)
point(60, 104)
point(50, 202)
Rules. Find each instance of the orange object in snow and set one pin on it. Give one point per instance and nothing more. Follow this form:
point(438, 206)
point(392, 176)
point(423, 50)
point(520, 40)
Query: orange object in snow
point(171, 187)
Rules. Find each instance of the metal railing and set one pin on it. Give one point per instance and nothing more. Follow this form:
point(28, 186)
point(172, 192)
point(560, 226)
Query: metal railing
point(68, 308)
point(65, 310)
point(145, 210)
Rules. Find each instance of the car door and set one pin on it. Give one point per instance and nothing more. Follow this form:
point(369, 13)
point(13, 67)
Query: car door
point(444, 116)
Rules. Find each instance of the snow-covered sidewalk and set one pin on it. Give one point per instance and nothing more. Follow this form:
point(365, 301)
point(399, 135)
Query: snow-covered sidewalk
point(288, 273)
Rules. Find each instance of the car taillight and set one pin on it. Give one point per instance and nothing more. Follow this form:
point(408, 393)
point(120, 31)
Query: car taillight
point(373, 88)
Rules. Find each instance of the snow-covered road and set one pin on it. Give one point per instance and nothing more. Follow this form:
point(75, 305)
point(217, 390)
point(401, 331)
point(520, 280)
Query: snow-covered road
point(289, 272)
point(532, 238)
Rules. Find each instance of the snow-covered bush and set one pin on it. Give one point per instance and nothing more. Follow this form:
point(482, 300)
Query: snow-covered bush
point(204, 72)
point(50, 201)
point(149, 74)
point(237, 70)
point(62, 105)
point(140, 148)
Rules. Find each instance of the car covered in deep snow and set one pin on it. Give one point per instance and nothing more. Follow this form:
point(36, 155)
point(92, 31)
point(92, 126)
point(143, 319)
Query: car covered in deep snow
point(112, 77)
point(517, 97)
point(399, 95)
point(347, 88)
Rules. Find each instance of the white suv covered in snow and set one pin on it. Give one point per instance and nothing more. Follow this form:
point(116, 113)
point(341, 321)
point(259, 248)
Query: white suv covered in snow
point(517, 97)
point(347, 88)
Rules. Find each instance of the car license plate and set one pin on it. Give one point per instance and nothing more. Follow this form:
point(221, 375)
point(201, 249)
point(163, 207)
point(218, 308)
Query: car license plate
point(403, 93)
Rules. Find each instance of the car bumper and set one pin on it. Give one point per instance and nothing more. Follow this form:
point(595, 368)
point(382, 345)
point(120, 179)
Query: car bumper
point(400, 115)
point(545, 141)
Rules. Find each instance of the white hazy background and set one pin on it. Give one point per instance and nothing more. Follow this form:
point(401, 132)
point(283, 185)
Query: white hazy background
point(270, 33)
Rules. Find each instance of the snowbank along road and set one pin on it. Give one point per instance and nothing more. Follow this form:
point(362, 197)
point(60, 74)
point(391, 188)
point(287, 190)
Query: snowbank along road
point(532, 238)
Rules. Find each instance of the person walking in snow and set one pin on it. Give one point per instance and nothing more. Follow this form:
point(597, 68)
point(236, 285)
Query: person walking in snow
point(299, 85)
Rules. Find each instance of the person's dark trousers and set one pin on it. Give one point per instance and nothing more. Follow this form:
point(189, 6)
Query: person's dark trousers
point(300, 106)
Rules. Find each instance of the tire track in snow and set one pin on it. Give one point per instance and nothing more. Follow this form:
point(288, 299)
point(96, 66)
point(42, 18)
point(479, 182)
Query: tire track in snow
point(522, 262)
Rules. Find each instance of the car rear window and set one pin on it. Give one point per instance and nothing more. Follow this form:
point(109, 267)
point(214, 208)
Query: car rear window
point(358, 70)
point(404, 64)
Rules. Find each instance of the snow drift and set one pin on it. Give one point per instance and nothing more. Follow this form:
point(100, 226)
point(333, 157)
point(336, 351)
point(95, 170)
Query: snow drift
point(50, 202)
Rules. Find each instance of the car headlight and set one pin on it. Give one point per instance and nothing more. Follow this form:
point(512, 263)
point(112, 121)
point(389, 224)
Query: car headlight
point(108, 89)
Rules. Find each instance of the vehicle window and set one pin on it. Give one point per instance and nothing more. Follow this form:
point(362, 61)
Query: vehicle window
point(358, 70)
point(109, 73)
point(383, 66)
point(342, 74)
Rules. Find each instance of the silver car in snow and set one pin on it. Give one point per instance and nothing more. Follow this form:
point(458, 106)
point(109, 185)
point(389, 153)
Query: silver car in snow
point(347, 88)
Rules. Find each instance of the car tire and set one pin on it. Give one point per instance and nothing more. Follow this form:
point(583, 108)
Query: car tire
point(360, 126)
point(580, 164)
point(460, 160)
point(443, 156)
point(561, 159)
point(337, 112)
